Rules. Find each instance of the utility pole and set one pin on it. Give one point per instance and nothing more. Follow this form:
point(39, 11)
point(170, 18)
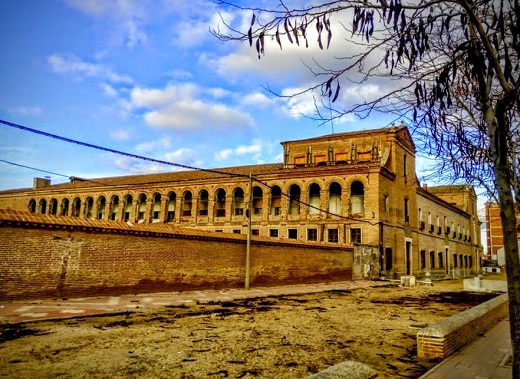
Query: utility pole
point(248, 245)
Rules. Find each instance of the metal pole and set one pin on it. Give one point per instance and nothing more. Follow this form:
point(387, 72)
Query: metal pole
point(248, 245)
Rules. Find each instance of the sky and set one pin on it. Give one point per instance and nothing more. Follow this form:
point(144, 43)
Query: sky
point(147, 77)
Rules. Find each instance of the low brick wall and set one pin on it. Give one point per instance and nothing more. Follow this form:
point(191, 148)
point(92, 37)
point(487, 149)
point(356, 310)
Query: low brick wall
point(56, 256)
point(443, 338)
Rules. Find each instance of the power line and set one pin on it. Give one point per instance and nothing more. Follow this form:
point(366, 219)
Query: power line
point(86, 144)
point(33, 168)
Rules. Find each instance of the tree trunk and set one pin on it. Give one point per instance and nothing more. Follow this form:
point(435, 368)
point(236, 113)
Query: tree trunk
point(504, 185)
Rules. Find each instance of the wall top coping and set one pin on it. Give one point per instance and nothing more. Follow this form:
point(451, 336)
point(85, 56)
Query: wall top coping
point(14, 218)
point(444, 327)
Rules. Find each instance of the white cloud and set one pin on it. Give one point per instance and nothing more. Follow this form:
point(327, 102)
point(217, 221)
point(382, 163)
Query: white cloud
point(188, 106)
point(151, 146)
point(108, 90)
point(120, 135)
point(254, 149)
point(70, 64)
point(26, 111)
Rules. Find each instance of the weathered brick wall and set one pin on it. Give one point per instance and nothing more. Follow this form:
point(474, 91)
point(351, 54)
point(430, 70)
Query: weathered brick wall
point(442, 339)
point(39, 260)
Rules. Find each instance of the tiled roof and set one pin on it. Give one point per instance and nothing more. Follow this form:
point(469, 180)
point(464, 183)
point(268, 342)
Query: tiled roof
point(349, 134)
point(28, 219)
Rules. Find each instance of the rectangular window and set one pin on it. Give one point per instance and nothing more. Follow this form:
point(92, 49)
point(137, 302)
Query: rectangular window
point(355, 236)
point(255, 232)
point(292, 233)
point(432, 259)
point(333, 235)
point(455, 260)
point(312, 234)
point(203, 212)
point(221, 213)
point(388, 259)
point(257, 211)
point(406, 213)
point(273, 233)
point(219, 230)
point(239, 211)
point(141, 215)
point(423, 259)
point(237, 231)
point(440, 260)
point(156, 215)
point(171, 215)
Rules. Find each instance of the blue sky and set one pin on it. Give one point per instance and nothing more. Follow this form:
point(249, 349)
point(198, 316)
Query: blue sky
point(148, 78)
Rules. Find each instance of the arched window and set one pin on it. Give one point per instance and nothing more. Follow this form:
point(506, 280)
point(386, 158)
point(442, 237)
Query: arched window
point(238, 201)
point(128, 207)
point(276, 201)
point(203, 203)
point(314, 199)
point(64, 208)
point(89, 204)
point(114, 207)
point(171, 207)
point(258, 200)
point(141, 207)
point(76, 207)
point(335, 198)
point(53, 207)
point(101, 207)
point(294, 199)
point(186, 203)
point(42, 206)
point(156, 208)
point(32, 206)
point(220, 203)
point(357, 198)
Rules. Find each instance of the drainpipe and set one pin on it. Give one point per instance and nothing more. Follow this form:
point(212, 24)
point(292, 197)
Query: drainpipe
point(248, 245)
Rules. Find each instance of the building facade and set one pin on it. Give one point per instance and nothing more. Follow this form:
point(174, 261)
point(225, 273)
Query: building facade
point(494, 238)
point(355, 189)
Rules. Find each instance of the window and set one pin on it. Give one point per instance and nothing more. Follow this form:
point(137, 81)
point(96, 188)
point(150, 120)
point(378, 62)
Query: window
point(455, 260)
point(405, 166)
point(273, 233)
point(387, 203)
point(238, 201)
point(276, 199)
point(388, 259)
point(333, 235)
point(292, 233)
point(220, 203)
point(312, 234)
point(171, 207)
point(335, 198)
point(294, 200)
point(357, 198)
point(355, 236)
point(186, 203)
point(218, 230)
point(440, 260)
point(314, 199)
point(156, 207)
point(257, 200)
point(203, 202)
point(255, 232)
point(432, 259)
point(237, 231)
point(423, 259)
point(406, 211)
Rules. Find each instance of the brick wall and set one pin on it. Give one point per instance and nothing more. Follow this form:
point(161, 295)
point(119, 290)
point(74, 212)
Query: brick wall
point(46, 255)
point(442, 339)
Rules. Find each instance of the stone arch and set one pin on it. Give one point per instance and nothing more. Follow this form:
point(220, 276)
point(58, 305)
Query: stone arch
point(64, 207)
point(156, 207)
point(314, 200)
point(114, 207)
point(53, 206)
point(170, 206)
point(42, 206)
point(203, 202)
point(101, 207)
point(357, 197)
point(294, 199)
point(89, 207)
point(258, 200)
point(32, 206)
point(187, 201)
point(220, 202)
point(76, 207)
point(335, 191)
point(238, 201)
point(276, 201)
point(127, 207)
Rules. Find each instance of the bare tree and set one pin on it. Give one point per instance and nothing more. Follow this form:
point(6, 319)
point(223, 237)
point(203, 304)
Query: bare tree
point(452, 69)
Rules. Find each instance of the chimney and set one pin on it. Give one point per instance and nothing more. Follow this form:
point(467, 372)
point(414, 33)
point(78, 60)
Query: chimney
point(41, 182)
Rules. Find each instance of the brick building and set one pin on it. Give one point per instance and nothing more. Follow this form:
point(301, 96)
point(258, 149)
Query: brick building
point(494, 238)
point(349, 189)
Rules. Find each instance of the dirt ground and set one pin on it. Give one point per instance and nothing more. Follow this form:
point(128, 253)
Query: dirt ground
point(272, 337)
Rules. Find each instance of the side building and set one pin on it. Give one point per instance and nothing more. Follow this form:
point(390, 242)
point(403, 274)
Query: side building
point(356, 189)
point(494, 239)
